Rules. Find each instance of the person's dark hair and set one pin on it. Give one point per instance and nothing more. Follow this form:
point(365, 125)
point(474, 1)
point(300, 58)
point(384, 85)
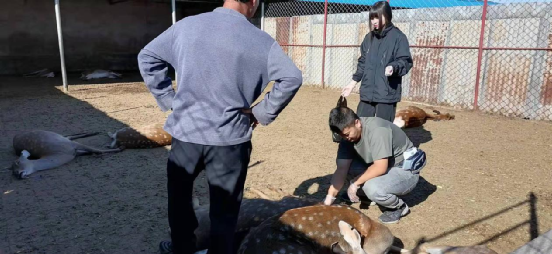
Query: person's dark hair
point(381, 8)
point(341, 117)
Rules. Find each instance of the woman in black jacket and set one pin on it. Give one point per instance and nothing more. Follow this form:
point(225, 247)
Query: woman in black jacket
point(385, 58)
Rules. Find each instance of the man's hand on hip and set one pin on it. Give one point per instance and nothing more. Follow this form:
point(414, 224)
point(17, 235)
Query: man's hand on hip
point(253, 121)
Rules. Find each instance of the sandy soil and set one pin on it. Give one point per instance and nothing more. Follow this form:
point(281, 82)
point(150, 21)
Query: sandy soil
point(475, 189)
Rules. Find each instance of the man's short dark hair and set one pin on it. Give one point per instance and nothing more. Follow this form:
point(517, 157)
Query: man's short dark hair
point(340, 118)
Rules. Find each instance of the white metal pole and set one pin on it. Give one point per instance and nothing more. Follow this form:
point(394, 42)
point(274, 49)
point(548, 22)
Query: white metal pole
point(262, 15)
point(60, 41)
point(173, 3)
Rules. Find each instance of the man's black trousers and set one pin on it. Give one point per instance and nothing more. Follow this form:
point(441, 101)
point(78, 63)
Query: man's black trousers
point(226, 170)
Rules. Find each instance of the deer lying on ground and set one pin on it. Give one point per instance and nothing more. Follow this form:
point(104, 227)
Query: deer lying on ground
point(336, 229)
point(319, 229)
point(413, 116)
point(97, 74)
point(148, 136)
point(48, 150)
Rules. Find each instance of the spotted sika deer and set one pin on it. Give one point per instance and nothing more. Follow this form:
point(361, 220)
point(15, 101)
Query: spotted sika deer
point(48, 150)
point(413, 116)
point(332, 229)
point(148, 136)
point(319, 229)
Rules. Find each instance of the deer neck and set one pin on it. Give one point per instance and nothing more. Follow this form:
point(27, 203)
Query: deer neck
point(45, 163)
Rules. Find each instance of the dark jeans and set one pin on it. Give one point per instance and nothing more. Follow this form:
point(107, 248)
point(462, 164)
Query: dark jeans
point(382, 110)
point(226, 171)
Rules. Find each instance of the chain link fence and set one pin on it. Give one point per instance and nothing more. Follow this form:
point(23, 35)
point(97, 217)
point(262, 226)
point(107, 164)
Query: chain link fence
point(493, 56)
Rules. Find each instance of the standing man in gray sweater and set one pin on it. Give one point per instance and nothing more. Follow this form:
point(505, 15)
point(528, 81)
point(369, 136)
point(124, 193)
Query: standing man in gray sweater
point(223, 64)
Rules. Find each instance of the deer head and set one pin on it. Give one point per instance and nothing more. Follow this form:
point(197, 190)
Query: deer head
point(351, 236)
point(22, 167)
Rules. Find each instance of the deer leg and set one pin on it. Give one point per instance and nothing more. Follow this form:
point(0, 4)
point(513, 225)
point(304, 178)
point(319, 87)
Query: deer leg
point(277, 190)
point(84, 149)
point(395, 249)
point(113, 137)
point(81, 135)
point(260, 193)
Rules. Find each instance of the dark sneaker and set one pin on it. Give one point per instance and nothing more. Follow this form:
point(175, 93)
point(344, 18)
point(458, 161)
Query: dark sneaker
point(393, 216)
point(165, 247)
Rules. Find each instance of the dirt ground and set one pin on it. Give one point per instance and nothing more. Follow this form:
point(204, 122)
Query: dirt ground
point(475, 188)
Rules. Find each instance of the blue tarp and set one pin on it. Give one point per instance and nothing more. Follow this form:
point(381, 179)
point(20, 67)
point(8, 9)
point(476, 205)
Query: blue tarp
point(412, 3)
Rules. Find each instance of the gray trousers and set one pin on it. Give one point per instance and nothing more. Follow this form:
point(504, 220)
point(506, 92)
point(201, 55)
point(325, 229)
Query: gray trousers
point(386, 189)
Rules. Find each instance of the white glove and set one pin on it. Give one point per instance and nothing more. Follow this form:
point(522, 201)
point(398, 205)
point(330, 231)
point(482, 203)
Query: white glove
point(348, 88)
point(388, 70)
point(329, 200)
point(352, 192)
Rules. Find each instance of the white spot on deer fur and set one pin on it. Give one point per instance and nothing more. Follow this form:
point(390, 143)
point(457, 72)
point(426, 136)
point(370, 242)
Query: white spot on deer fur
point(329, 222)
point(309, 234)
point(321, 214)
point(319, 225)
point(310, 218)
point(304, 218)
point(300, 226)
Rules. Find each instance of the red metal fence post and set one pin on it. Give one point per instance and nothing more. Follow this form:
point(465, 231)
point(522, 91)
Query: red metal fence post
point(480, 56)
point(324, 41)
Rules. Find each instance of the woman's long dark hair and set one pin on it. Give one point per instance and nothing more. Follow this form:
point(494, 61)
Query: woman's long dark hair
point(379, 9)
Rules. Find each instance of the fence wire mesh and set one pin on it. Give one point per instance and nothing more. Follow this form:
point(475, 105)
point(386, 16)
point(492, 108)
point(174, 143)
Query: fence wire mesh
point(504, 68)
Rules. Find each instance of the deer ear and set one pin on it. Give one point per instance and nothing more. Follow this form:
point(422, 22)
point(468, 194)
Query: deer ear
point(25, 154)
point(342, 102)
point(351, 236)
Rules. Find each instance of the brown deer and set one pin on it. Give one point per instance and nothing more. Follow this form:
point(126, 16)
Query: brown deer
point(335, 229)
point(319, 229)
point(48, 150)
point(413, 116)
point(148, 136)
